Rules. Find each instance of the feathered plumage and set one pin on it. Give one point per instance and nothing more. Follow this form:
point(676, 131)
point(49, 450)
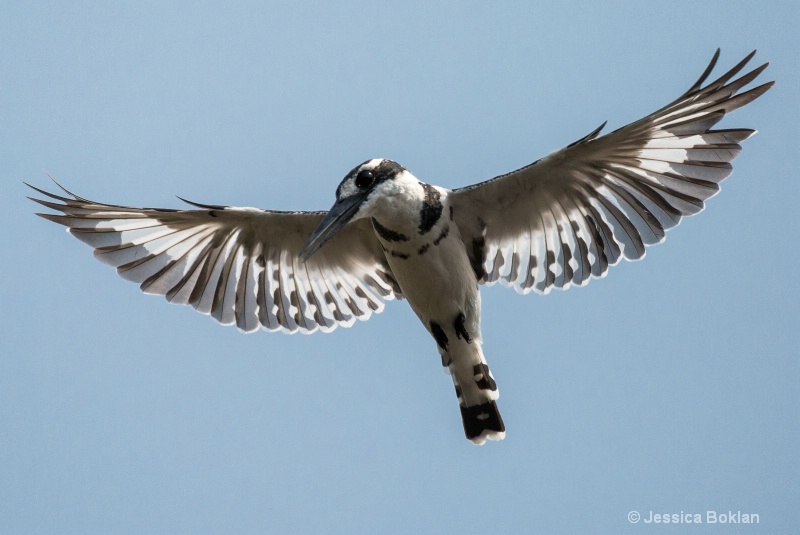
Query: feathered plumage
point(557, 222)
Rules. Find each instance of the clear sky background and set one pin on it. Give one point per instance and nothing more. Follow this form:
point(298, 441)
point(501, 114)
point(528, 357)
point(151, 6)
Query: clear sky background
point(671, 385)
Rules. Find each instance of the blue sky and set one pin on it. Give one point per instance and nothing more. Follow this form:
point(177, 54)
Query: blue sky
point(672, 385)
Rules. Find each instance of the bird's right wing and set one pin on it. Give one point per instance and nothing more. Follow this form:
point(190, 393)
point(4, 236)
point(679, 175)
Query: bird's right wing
point(240, 265)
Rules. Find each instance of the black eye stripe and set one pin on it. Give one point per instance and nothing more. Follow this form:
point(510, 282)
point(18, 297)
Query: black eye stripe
point(364, 177)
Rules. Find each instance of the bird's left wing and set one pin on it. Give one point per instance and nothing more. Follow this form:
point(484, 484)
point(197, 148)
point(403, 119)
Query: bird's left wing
point(240, 265)
point(568, 217)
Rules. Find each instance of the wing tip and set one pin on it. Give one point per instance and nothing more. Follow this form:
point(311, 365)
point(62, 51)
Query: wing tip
point(201, 205)
point(590, 136)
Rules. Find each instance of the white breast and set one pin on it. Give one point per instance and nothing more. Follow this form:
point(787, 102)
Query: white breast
point(431, 267)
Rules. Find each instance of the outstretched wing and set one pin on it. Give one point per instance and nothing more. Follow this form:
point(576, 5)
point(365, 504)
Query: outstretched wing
point(240, 265)
point(568, 217)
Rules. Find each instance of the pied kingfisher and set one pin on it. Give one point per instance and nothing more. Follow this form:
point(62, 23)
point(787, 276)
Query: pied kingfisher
point(555, 223)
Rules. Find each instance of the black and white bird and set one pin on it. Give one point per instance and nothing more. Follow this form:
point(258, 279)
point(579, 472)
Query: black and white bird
point(555, 223)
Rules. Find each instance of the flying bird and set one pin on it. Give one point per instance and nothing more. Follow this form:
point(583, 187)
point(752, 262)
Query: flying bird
point(555, 223)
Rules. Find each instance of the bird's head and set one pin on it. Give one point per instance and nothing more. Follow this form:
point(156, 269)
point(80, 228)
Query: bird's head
point(356, 197)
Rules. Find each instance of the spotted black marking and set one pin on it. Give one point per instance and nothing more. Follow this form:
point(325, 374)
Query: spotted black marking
point(569, 273)
point(279, 313)
point(439, 335)
point(424, 249)
point(486, 381)
point(260, 261)
point(363, 295)
point(387, 233)
point(478, 252)
point(431, 208)
point(598, 238)
point(480, 418)
point(459, 394)
point(442, 235)
point(351, 304)
point(550, 260)
point(514, 266)
point(530, 279)
point(312, 299)
point(295, 302)
point(476, 258)
point(389, 279)
point(451, 213)
point(333, 307)
point(497, 265)
point(461, 331)
point(402, 256)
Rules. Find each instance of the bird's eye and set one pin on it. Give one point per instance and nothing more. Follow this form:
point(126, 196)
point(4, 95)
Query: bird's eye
point(364, 179)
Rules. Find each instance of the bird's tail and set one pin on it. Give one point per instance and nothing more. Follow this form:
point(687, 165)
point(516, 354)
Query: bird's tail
point(477, 391)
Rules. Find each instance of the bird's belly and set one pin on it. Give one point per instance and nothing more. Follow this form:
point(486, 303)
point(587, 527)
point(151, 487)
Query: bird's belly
point(439, 284)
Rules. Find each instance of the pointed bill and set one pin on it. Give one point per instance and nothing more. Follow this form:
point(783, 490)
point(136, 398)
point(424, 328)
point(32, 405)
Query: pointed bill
point(339, 215)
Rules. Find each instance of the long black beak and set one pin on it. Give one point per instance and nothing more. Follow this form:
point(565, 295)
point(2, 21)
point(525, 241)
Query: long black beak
point(339, 215)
